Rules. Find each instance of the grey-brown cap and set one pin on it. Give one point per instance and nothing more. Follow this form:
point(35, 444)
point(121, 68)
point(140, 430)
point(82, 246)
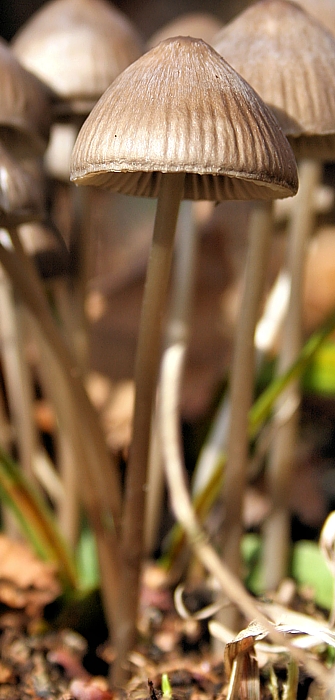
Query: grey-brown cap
point(289, 58)
point(25, 107)
point(182, 108)
point(197, 24)
point(78, 47)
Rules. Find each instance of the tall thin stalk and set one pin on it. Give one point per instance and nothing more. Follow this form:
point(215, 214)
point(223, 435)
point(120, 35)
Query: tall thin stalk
point(146, 371)
point(281, 461)
point(17, 377)
point(177, 328)
point(242, 384)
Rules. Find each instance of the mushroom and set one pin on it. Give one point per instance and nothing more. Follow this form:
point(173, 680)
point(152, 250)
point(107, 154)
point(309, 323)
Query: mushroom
point(297, 86)
point(25, 117)
point(167, 141)
point(25, 107)
point(204, 26)
point(77, 47)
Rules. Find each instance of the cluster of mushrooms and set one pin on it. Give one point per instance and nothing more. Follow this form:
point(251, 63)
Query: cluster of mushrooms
point(184, 120)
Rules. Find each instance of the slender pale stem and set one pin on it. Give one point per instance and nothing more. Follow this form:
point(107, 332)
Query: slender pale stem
point(177, 328)
point(281, 462)
point(81, 257)
point(242, 384)
point(17, 376)
point(52, 382)
point(146, 371)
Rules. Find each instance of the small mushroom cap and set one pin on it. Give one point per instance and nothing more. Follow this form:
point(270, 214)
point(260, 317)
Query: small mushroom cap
point(199, 24)
point(78, 47)
point(182, 108)
point(25, 107)
point(289, 58)
point(21, 190)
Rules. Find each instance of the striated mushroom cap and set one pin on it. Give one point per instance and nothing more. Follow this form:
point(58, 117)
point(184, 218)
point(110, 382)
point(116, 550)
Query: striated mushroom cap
point(182, 108)
point(78, 47)
point(198, 24)
point(289, 58)
point(25, 107)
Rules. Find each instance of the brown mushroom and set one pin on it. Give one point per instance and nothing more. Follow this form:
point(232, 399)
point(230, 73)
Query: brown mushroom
point(25, 107)
point(299, 86)
point(196, 131)
point(78, 47)
point(299, 74)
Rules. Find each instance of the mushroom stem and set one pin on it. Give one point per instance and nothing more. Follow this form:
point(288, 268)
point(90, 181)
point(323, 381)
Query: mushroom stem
point(17, 376)
point(52, 383)
point(241, 384)
point(177, 328)
point(81, 254)
point(279, 473)
point(146, 371)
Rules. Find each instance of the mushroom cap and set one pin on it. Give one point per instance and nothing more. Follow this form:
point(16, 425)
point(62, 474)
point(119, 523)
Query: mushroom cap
point(323, 10)
point(21, 190)
point(289, 58)
point(78, 47)
point(182, 108)
point(199, 24)
point(25, 107)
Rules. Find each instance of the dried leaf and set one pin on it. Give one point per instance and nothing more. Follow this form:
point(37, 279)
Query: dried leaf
point(297, 623)
point(25, 581)
point(244, 642)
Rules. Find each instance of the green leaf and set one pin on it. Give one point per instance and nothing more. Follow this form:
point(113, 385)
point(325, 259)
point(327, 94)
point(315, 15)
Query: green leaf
point(166, 686)
point(87, 560)
point(319, 377)
point(251, 555)
point(310, 569)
